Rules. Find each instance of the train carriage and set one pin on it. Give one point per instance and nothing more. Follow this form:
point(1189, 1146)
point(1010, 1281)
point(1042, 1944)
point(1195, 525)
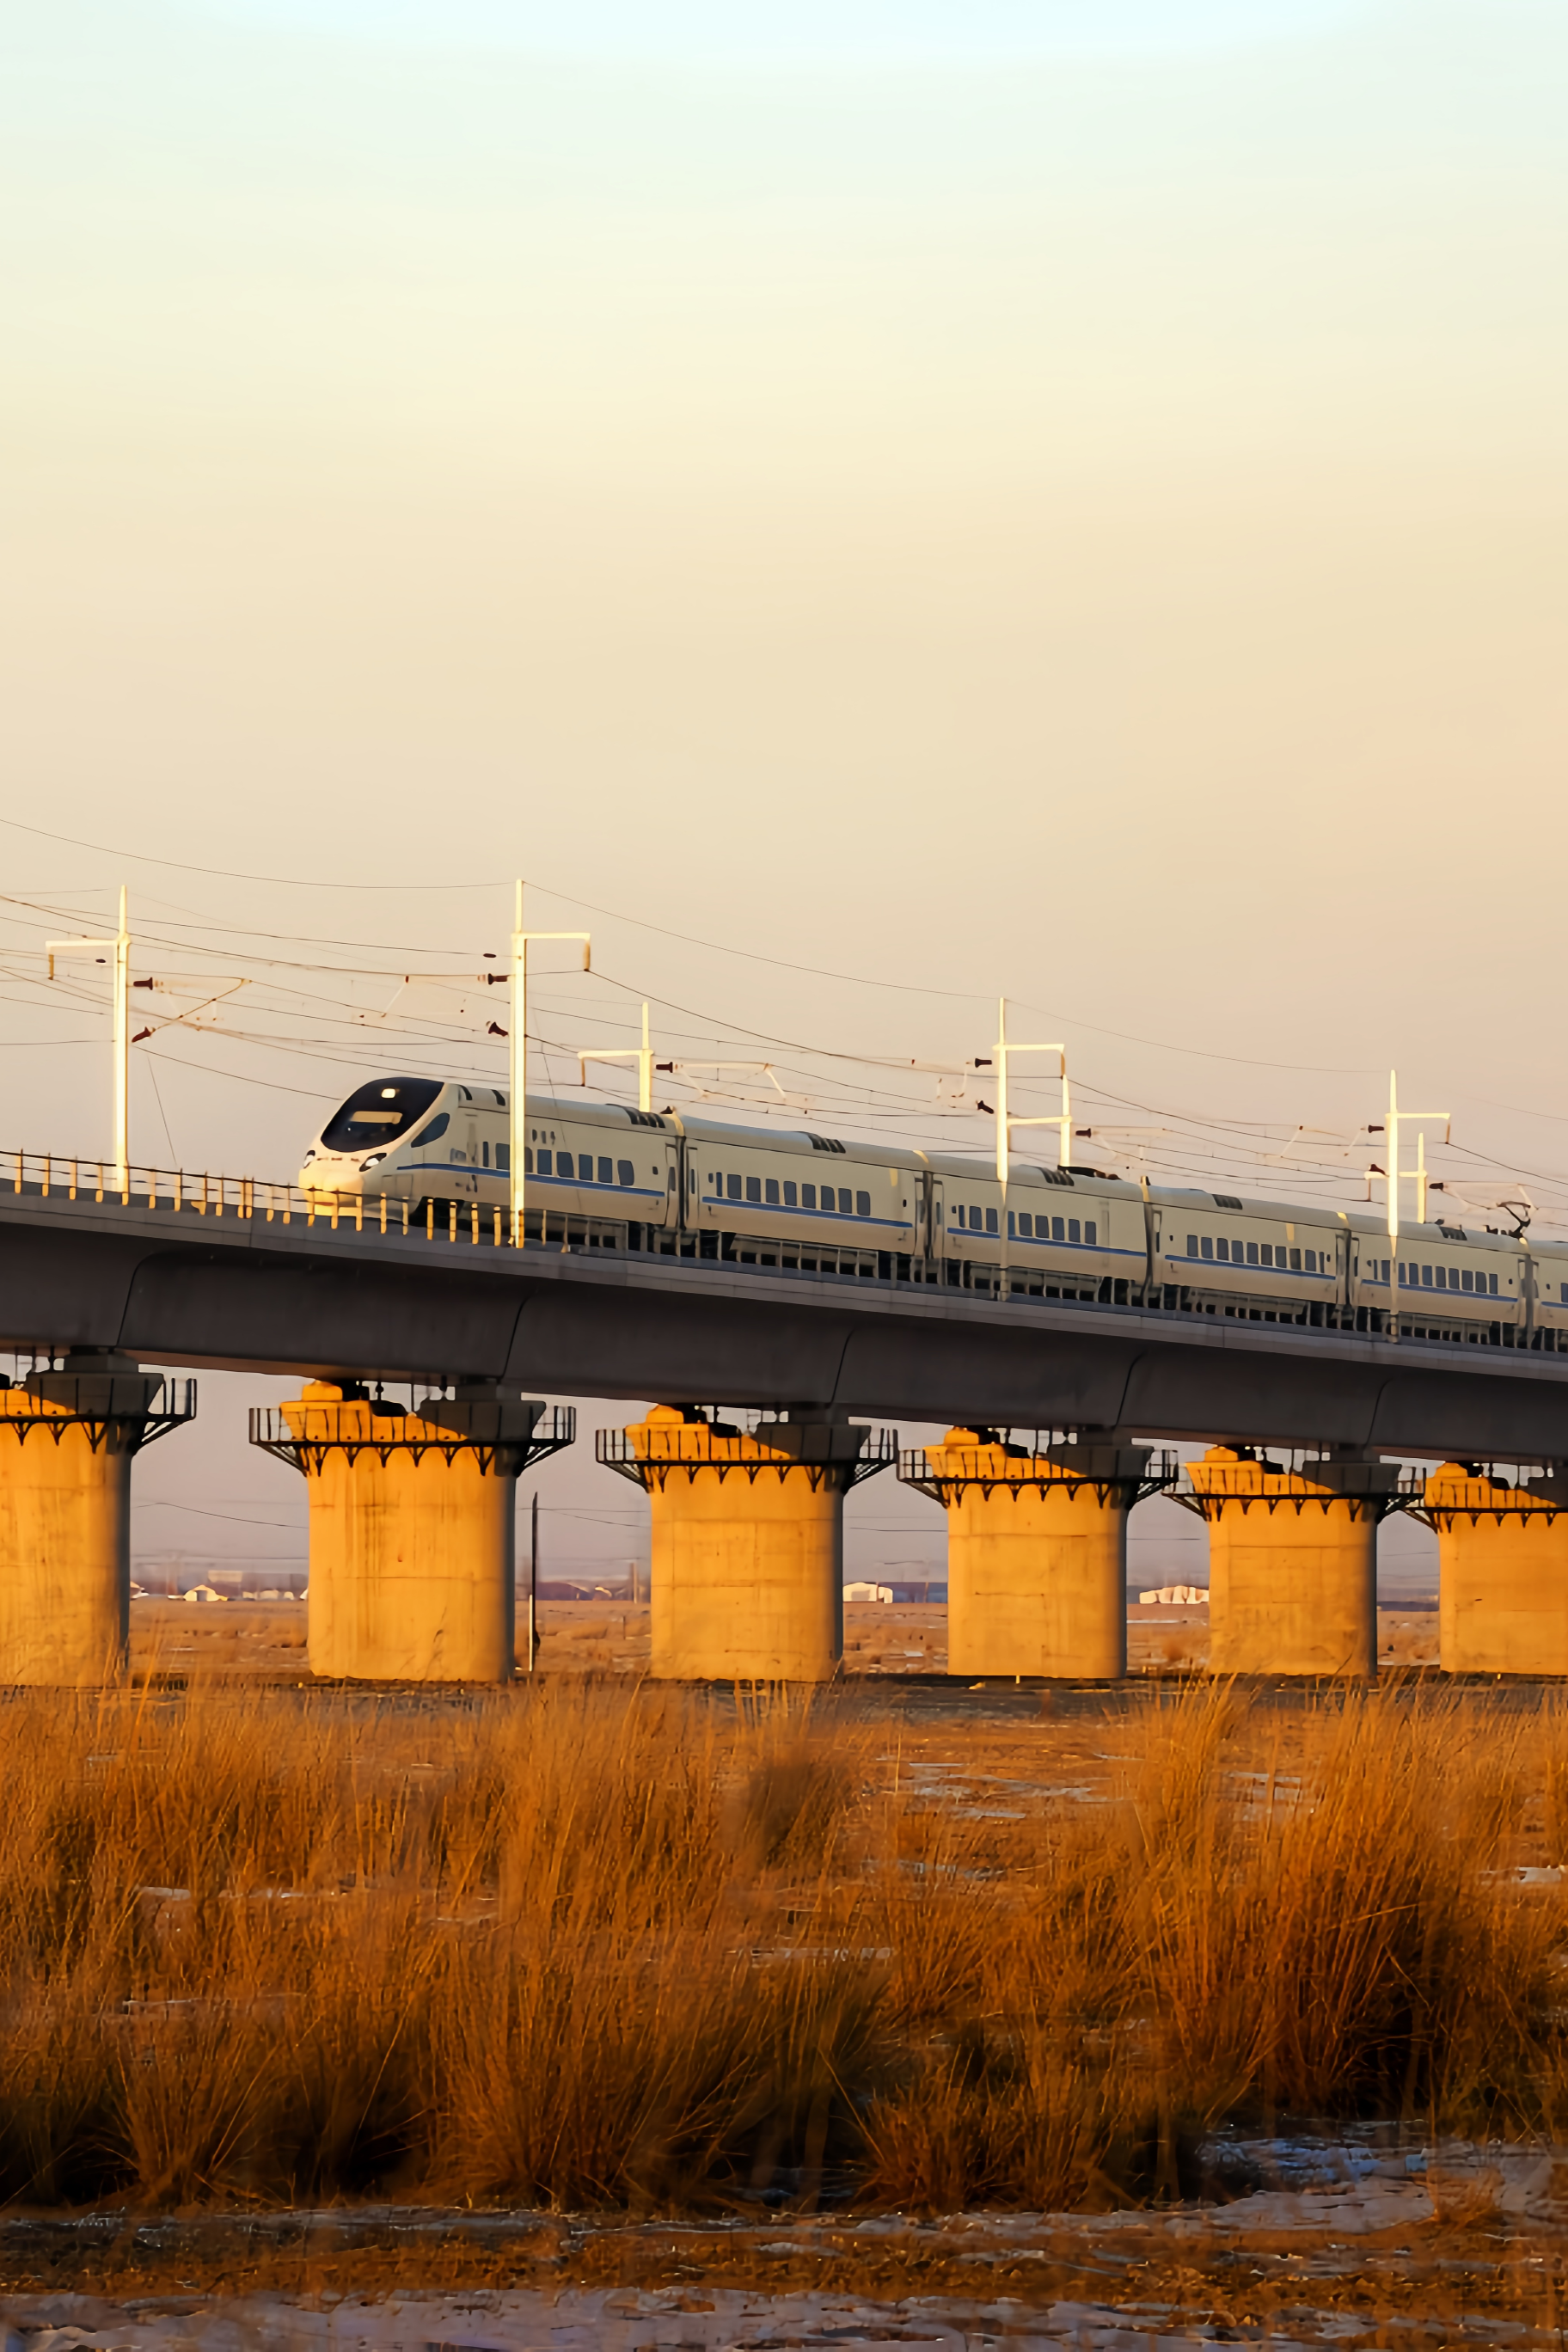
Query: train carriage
point(767, 1196)
point(1220, 1254)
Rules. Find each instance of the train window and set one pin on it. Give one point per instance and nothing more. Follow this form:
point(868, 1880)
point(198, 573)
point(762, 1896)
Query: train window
point(1491, 1284)
point(485, 1151)
point(789, 1193)
point(1311, 1261)
point(862, 1204)
point(1426, 1277)
point(1453, 1277)
point(625, 1172)
point(607, 1172)
point(1251, 1253)
point(564, 1164)
point(732, 1187)
point(436, 1130)
point(1208, 1245)
point(503, 1158)
point(1026, 1224)
point(846, 1202)
point(527, 1160)
point(771, 1191)
point(1091, 1233)
point(754, 1188)
point(501, 1098)
point(1265, 1251)
point(1075, 1231)
point(1467, 1281)
point(808, 1196)
point(1295, 1260)
point(1192, 1246)
point(1221, 1249)
point(1059, 1230)
point(991, 1221)
point(547, 1163)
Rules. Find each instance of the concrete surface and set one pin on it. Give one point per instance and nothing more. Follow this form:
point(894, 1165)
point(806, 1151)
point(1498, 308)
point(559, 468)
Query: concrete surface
point(748, 1547)
point(65, 1556)
point(1502, 1577)
point(412, 1552)
point(1037, 1565)
point(1292, 1566)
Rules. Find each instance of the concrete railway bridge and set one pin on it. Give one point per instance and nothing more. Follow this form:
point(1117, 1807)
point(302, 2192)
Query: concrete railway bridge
point(411, 1506)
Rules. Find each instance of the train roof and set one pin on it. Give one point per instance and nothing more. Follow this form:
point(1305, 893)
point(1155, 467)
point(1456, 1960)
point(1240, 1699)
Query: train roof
point(953, 1163)
point(800, 1138)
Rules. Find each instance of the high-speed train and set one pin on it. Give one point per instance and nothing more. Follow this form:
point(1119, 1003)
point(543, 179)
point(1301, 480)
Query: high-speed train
point(601, 1176)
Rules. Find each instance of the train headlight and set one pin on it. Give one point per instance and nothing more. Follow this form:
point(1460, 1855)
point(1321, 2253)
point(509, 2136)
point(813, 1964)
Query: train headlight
point(374, 1159)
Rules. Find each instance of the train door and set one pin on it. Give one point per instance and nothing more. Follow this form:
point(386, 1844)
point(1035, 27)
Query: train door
point(673, 1178)
point(686, 1186)
point(470, 1182)
point(936, 1219)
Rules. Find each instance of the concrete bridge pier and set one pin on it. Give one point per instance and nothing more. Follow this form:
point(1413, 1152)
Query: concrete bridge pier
point(67, 1439)
point(1293, 1561)
point(748, 1539)
point(413, 1570)
point(1036, 1550)
point(1503, 1569)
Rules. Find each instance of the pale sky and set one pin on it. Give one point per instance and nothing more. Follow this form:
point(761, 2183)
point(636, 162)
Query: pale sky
point(1064, 498)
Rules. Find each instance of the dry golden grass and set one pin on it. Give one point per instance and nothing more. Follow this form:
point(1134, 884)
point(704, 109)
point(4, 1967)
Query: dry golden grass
point(589, 1946)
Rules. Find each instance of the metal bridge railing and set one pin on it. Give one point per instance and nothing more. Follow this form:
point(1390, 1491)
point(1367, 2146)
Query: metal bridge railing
point(260, 1199)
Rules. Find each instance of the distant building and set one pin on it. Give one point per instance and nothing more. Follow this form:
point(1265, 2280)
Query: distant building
point(860, 1591)
point(204, 1593)
point(1177, 1596)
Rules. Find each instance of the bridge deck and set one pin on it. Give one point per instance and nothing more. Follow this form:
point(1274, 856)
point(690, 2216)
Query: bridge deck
point(243, 1292)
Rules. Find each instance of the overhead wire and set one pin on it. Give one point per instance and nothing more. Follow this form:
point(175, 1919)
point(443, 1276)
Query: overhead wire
point(1197, 1144)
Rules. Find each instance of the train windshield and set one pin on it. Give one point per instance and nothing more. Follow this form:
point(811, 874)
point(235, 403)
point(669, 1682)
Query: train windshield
point(379, 1113)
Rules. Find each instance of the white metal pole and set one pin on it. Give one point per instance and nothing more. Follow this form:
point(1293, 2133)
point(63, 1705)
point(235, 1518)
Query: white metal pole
point(534, 1584)
point(1065, 1153)
point(519, 1070)
point(644, 1068)
point(1003, 1138)
point(122, 1051)
point(1421, 1177)
point(1394, 1205)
